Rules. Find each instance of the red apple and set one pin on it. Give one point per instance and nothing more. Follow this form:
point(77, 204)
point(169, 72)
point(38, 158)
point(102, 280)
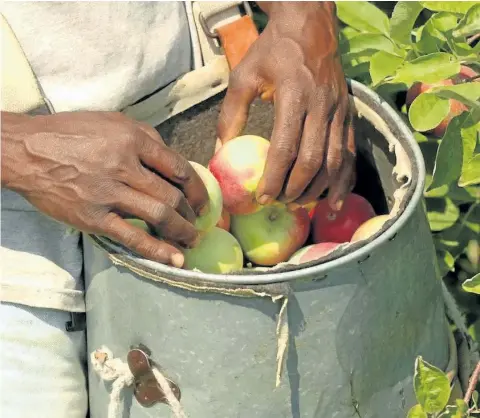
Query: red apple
point(238, 166)
point(224, 222)
point(456, 107)
point(331, 226)
point(313, 252)
point(271, 235)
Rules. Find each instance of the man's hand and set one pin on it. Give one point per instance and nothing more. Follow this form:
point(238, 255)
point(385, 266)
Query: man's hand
point(87, 168)
point(295, 63)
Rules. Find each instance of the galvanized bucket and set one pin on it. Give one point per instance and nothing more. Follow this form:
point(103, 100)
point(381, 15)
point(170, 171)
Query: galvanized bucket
point(333, 338)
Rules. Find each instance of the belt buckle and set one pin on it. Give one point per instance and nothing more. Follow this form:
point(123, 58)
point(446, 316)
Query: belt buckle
point(203, 18)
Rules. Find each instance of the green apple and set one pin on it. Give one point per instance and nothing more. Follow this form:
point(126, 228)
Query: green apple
point(271, 235)
point(218, 252)
point(207, 221)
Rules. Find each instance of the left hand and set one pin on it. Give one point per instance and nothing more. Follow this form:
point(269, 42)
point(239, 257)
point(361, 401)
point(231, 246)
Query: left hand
point(295, 63)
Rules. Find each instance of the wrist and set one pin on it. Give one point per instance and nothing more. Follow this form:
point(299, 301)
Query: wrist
point(13, 147)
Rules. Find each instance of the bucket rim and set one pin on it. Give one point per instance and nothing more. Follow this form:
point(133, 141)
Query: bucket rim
point(363, 93)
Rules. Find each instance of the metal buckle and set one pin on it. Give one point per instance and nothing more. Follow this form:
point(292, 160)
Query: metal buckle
point(203, 18)
point(146, 388)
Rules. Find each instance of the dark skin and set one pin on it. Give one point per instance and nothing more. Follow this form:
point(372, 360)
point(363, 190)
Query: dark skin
point(90, 169)
point(295, 64)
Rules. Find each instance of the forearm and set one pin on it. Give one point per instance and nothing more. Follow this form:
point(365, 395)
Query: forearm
point(13, 147)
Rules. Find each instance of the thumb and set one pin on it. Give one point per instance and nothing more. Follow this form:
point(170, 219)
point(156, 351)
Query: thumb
point(234, 111)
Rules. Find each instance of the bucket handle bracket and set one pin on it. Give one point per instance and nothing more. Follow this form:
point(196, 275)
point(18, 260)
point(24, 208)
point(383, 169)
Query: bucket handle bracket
point(146, 388)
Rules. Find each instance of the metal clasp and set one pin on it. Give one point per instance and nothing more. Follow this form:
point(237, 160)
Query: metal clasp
point(146, 389)
point(203, 17)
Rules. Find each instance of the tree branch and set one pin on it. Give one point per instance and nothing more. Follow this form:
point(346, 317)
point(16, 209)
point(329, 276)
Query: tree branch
point(472, 383)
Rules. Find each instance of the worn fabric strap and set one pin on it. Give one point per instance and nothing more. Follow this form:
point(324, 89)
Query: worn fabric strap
point(236, 38)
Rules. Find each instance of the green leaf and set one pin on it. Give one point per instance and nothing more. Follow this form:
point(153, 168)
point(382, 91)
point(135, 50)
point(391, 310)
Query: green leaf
point(427, 111)
point(472, 285)
point(431, 385)
point(420, 138)
point(441, 213)
point(383, 65)
point(348, 32)
point(455, 239)
point(430, 68)
point(403, 19)
point(459, 410)
point(448, 162)
point(463, 194)
point(436, 32)
point(366, 43)
point(443, 22)
point(470, 172)
point(363, 16)
point(416, 411)
point(446, 262)
point(458, 7)
point(470, 24)
point(468, 92)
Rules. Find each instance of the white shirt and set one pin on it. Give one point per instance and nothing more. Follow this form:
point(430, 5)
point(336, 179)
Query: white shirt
point(102, 55)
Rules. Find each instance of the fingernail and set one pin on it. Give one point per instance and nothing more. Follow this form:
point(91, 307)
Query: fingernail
point(177, 260)
point(197, 240)
point(265, 199)
point(203, 210)
point(337, 205)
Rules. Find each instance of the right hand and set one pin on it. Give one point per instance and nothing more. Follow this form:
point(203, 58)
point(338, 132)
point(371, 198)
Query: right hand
point(86, 169)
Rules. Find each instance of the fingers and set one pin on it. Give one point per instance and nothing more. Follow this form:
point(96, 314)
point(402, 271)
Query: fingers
point(337, 172)
point(141, 241)
point(176, 169)
point(168, 223)
point(289, 117)
point(153, 185)
point(310, 155)
point(344, 182)
point(240, 94)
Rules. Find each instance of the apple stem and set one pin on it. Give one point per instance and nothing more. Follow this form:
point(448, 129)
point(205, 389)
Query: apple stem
point(272, 216)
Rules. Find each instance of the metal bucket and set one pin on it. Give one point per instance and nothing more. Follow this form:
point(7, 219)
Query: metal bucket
point(335, 338)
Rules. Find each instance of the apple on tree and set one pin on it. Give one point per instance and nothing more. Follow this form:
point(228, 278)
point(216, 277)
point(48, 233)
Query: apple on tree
point(456, 107)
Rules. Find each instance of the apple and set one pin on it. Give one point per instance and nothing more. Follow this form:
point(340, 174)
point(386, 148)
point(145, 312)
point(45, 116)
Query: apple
point(215, 200)
point(456, 107)
point(331, 226)
point(369, 228)
point(272, 234)
point(238, 166)
point(224, 221)
point(218, 252)
point(313, 252)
